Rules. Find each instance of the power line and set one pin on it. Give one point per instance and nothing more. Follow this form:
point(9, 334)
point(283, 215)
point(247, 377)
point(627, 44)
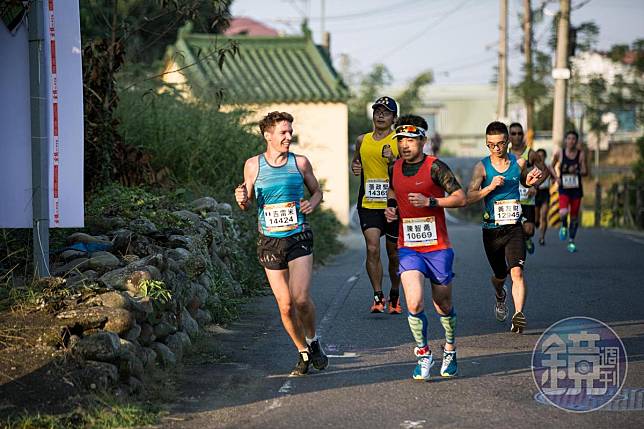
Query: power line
point(428, 27)
point(387, 9)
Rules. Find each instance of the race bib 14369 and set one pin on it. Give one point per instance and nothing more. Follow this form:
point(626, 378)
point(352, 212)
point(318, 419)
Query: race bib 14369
point(376, 190)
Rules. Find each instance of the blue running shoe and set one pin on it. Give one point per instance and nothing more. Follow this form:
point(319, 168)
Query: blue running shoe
point(529, 246)
point(449, 368)
point(425, 363)
point(572, 247)
point(563, 233)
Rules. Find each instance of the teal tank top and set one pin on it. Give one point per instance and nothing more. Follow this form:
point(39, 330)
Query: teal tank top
point(504, 200)
point(278, 191)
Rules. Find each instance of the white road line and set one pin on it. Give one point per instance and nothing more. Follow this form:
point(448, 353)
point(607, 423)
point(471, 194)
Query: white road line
point(330, 315)
point(344, 355)
point(286, 387)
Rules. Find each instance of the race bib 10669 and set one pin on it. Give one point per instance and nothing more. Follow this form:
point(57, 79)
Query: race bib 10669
point(280, 216)
point(507, 212)
point(420, 231)
point(570, 181)
point(376, 190)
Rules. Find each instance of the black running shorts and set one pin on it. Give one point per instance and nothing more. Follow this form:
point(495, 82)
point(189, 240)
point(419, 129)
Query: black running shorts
point(505, 248)
point(528, 213)
point(542, 197)
point(276, 253)
point(375, 218)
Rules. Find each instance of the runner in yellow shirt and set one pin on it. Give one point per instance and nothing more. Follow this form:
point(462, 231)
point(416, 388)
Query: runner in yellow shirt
point(375, 153)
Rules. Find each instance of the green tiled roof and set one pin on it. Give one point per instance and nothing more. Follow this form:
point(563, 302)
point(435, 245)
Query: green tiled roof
point(266, 69)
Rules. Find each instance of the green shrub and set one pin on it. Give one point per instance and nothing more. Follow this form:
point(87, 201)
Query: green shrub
point(203, 148)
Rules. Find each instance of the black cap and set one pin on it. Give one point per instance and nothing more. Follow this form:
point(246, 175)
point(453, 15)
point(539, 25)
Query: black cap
point(389, 103)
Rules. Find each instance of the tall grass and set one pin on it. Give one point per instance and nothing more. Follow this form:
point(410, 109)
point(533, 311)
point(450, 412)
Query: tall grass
point(202, 146)
point(205, 149)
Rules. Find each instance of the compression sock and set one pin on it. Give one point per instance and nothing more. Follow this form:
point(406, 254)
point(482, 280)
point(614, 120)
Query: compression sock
point(449, 325)
point(418, 326)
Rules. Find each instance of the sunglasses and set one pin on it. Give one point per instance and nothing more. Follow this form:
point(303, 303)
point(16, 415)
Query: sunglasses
point(411, 129)
point(520, 133)
point(495, 145)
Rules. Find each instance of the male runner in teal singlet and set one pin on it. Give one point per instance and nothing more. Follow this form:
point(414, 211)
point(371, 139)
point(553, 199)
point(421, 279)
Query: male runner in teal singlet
point(276, 178)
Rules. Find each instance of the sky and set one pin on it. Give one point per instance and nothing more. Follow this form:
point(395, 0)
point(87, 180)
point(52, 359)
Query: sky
point(457, 39)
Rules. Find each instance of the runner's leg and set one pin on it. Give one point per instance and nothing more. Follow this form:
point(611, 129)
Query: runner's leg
point(279, 281)
point(300, 271)
point(373, 264)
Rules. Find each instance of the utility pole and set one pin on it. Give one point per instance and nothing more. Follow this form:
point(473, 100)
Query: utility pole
point(39, 140)
point(322, 14)
point(502, 103)
point(561, 74)
point(529, 75)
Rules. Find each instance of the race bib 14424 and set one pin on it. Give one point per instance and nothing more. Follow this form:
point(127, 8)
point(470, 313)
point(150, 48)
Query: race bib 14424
point(507, 212)
point(420, 231)
point(281, 216)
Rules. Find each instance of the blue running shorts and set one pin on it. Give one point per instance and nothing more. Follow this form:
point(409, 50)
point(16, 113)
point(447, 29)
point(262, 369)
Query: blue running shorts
point(436, 265)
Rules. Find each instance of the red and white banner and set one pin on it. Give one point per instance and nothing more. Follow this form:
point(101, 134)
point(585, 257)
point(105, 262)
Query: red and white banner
point(64, 105)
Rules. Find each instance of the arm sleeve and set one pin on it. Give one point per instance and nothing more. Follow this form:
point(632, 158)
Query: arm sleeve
point(443, 176)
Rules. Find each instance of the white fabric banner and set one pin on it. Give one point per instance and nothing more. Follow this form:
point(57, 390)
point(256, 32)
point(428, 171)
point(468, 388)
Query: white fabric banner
point(64, 106)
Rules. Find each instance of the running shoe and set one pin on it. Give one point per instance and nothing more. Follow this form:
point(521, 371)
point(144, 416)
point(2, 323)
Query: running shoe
point(378, 305)
point(542, 242)
point(501, 308)
point(572, 247)
point(302, 366)
point(319, 360)
point(394, 305)
point(563, 233)
point(425, 363)
point(449, 367)
point(518, 322)
point(529, 246)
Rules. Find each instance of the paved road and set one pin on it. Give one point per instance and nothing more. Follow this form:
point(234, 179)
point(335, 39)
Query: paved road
point(368, 384)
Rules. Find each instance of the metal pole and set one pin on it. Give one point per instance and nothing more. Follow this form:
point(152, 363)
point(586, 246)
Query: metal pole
point(39, 140)
point(502, 107)
point(561, 84)
point(322, 13)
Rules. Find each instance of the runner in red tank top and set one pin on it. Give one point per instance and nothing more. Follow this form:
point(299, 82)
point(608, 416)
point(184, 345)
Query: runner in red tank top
point(416, 196)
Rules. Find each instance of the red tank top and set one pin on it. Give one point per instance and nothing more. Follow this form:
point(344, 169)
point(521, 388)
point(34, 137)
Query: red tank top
point(422, 229)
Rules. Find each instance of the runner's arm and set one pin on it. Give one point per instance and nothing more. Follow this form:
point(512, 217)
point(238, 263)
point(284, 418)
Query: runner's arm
point(356, 162)
point(312, 184)
point(541, 165)
point(444, 177)
point(555, 165)
point(474, 191)
point(391, 212)
point(529, 176)
point(244, 192)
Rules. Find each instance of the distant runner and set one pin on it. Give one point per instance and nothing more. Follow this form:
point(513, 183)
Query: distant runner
point(570, 165)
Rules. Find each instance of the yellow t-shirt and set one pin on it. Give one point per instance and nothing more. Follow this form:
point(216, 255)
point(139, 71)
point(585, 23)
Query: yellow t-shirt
point(375, 174)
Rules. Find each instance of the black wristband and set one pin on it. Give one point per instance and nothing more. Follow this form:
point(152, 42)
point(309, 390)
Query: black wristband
point(392, 202)
point(432, 202)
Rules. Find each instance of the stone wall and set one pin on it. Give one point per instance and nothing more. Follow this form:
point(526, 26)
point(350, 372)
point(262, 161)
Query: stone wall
point(136, 297)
